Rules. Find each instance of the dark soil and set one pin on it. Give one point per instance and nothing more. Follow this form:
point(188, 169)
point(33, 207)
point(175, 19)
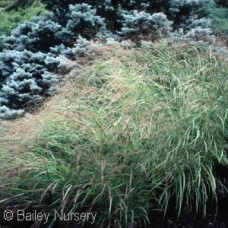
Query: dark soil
point(190, 221)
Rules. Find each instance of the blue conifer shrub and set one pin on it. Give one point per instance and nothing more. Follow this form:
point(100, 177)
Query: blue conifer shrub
point(176, 10)
point(26, 77)
point(38, 34)
point(83, 21)
point(135, 22)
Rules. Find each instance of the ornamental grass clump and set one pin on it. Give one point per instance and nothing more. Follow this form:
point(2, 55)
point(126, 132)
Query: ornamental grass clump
point(139, 131)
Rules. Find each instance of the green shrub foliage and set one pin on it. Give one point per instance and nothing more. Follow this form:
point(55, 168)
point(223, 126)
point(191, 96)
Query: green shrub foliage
point(30, 53)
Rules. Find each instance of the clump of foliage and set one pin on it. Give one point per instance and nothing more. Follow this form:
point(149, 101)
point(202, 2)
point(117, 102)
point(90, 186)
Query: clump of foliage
point(82, 20)
point(142, 23)
point(21, 4)
point(9, 20)
point(35, 35)
point(175, 9)
point(25, 78)
point(41, 33)
point(139, 132)
point(219, 16)
point(5, 3)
